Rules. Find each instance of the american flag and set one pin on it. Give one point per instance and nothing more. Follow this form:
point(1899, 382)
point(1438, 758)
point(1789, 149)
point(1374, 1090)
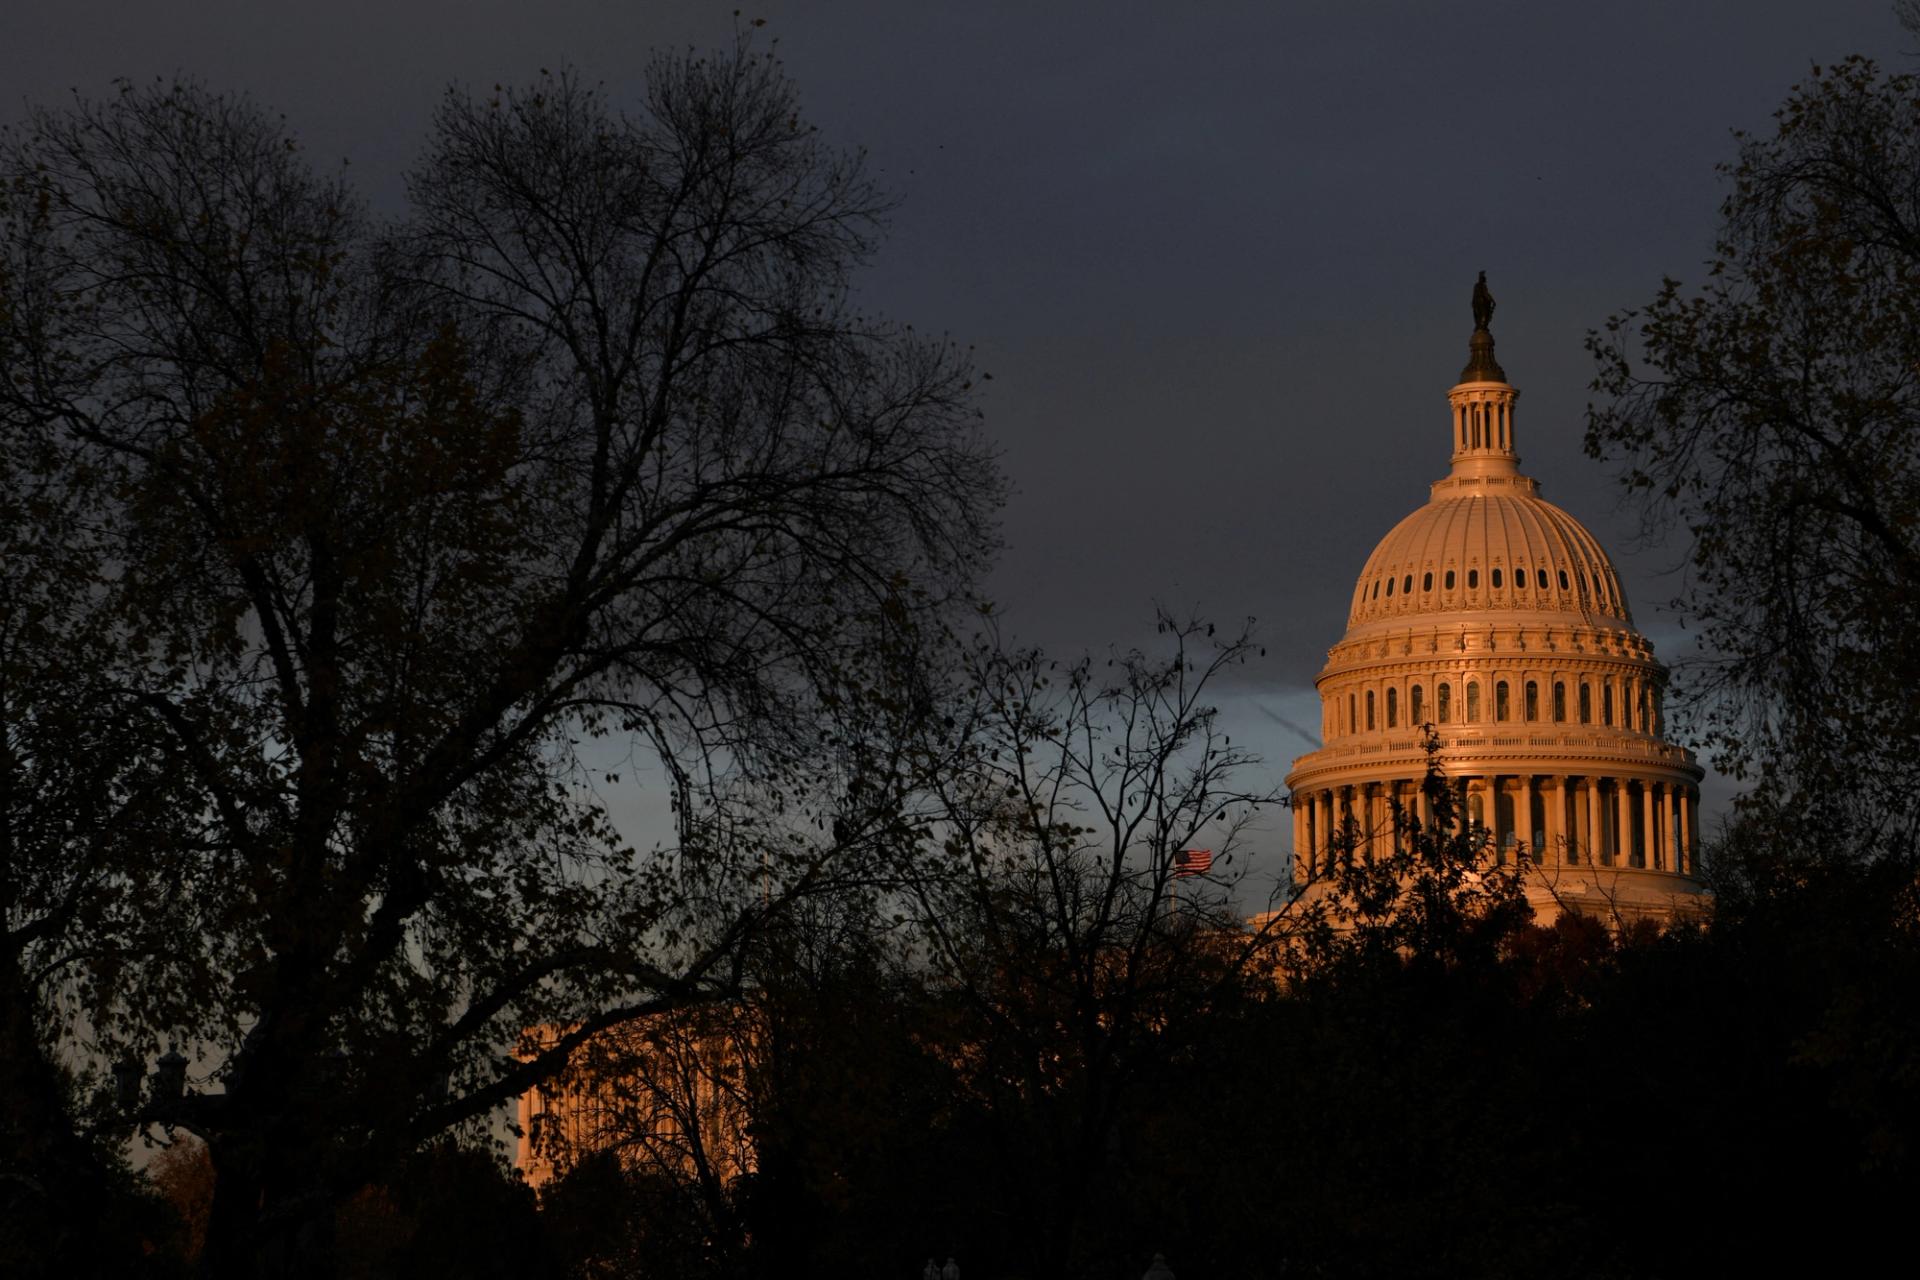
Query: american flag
point(1192, 862)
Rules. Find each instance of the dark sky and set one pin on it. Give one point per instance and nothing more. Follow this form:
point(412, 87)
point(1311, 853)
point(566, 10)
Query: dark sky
point(1217, 257)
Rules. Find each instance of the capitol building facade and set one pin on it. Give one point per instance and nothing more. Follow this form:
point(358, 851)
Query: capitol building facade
point(1495, 619)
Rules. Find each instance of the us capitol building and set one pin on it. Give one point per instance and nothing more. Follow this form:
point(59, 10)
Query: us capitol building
point(1496, 618)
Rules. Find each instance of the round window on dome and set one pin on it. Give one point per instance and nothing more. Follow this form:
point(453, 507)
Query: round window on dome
point(1496, 579)
point(1473, 579)
point(1563, 580)
point(1389, 588)
point(1407, 586)
point(1540, 576)
point(1376, 590)
point(1519, 579)
point(1426, 583)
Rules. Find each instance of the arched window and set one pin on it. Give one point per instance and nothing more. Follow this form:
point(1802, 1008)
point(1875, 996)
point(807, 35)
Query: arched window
point(1407, 586)
point(1563, 581)
point(1540, 577)
point(1533, 700)
point(1369, 708)
point(1559, 702)
point(1473, 579)
point(1393, 708)
point(1473, 702)
point(1446, 703)
point(1415, 707)
point(1449, 579)
point(1353, 720)
point(1501, 710)
point(1586, 704)
point(1496, 579)
point(1376, 590)
point(1389, 588)
point(1606, 702)
point(1426, 582)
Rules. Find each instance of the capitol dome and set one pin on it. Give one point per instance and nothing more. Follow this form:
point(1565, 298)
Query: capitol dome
point(1496, 620)
point(1476, 549)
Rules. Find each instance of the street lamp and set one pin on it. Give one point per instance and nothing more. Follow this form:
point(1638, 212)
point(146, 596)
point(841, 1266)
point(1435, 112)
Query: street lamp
point(169, 1077)
point(128, 1075)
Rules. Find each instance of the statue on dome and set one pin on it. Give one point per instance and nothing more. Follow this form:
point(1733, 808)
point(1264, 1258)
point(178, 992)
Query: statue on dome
point(1482, 304)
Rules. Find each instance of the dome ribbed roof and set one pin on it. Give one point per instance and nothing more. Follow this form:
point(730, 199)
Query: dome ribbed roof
point(1475, 550)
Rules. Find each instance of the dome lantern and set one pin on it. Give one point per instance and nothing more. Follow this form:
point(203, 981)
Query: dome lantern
point(1483, 422)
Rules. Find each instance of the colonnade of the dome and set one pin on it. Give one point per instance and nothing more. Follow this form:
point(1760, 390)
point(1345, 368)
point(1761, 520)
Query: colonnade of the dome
point(1549, 820)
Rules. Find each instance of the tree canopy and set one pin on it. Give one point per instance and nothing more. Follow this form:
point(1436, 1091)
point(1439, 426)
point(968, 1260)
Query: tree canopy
point(367, 530)
point(1773, 414)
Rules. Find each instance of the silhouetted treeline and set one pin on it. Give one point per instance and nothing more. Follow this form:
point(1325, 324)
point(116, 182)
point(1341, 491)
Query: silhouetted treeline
point(1699, 1101)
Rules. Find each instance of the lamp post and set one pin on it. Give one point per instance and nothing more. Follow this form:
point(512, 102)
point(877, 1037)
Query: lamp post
point(128, 1076)
point(170, 1077)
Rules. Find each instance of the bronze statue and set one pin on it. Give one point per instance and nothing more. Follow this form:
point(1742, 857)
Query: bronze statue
point(1482, 303)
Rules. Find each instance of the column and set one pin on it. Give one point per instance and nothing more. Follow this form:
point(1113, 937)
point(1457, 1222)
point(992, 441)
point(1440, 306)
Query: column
point(1556, 808)
point(1394, 804)
point(1622, 823)
point(1490, 809)
point(1586, 820)
point(1523, 815)
point(1669, 854)
point(1302, 843)
point(1369, 821)
point(1649, 812)
point(1685, 861)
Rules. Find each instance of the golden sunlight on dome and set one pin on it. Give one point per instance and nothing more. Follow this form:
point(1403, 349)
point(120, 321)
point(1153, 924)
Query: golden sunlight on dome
point(1494, 617)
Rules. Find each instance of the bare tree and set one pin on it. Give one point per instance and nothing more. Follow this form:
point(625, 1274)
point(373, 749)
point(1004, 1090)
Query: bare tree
point(1090, 923)
point(398, 521)
point(1772, 416)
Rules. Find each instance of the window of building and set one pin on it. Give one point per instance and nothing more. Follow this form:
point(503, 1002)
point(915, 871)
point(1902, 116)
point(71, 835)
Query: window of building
point(1389, 588)
point(1586, 704)
point(1473, 579)
point(1606, 702)
point(1369, 708)
point(1426, 582)
point(1540, 578)
point(1353, 720)
point(1496, 579)
point(1501, 709)
point(1407, 586)
point(1473, 702)
point(1563, 581)
point(1415, 707)
point(1533, 700)
point(1393, 708)
point(1445, 696)
point(1449, 579)
point(1559, 702)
